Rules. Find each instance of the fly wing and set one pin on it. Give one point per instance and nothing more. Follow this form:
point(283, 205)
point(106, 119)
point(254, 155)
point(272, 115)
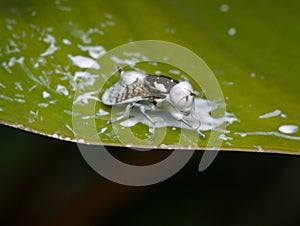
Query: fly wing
point(159, 86)
point(143, 87)
point(121, 94)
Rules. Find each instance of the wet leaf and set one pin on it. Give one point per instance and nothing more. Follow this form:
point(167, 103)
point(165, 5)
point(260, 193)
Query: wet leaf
point(46, 48)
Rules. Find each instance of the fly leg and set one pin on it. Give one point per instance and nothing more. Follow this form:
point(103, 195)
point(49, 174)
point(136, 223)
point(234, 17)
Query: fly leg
point(123, 116)
point(198, 129)
point(142, 109)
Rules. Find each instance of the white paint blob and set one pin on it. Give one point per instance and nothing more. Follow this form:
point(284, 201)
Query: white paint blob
point(231, 31)
point(275, 113)
point(203, 109)
point(94, 51)
point(102, 112)
point(66, 41)
point(45, 94)
point(62, 90)
point(259, 148)
point(288, 129)
point(224, 8)
point(85, 97)
point(50, 39)
point(84, 62)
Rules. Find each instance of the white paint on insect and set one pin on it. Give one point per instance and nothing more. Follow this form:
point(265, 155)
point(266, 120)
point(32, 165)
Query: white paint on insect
point(161, 87)
point(126, 78)
point(274, 113)
point(84, 62)
point(288, 129)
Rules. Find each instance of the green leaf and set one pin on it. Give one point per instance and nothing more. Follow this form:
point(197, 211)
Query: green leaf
point(251, 48)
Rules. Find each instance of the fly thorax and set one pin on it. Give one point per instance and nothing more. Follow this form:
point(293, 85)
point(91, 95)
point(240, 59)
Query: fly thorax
point(130, 77)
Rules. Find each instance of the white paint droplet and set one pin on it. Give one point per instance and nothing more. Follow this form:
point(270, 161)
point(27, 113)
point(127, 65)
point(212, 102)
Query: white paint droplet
point(43, 105)
point(231, 31)
point(224, 8)
point(103, 130)
point(229, 83)
point(131, 62)
point(283, 115)
point(45, 94)
point(224, 137)
point(67, 41)
point(202, 110)
point(85, 97)
point(62, 90)
point(288, 129)
point(50, 39)
point(161, 87)
point(259, 148)
point(271, 114)
point(102, 112)
point(174, 72)
point(94, 51)
point(84, 62)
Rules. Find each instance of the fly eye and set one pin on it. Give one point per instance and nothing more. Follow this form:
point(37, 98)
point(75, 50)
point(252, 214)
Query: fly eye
point(187, 97)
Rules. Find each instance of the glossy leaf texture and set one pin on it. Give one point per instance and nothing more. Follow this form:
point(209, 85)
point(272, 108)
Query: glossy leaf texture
point(47, 47)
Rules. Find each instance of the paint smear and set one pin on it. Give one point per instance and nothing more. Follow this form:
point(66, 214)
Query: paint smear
point(271, 114)
point(288, 129)
point(203, 109)
point(84, 62)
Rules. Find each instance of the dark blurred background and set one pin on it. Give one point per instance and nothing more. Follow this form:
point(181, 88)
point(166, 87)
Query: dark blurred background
point(47, 182)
